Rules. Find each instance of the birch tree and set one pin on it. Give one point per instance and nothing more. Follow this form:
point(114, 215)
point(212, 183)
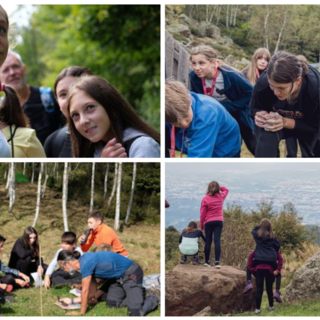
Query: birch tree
point(5, 171)
point(65, 197)
point(132, 191)
point(12, 191)
point(117, 216)
point(266, 34)
point(24, 168)
point(38, 195)
point(32, 177)
point(92, 186)
point(47, 172)
point(105, 183)
point(114, 184)
point(281, 30)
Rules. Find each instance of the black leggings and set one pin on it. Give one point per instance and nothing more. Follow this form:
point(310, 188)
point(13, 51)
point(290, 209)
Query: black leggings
point(278, 279)
point(268, 142)
point(261, 275)
point(213, 228)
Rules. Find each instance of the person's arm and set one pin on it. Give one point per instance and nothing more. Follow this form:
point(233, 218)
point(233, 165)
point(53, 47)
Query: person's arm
point(85, 247)
point(21, 251)
point(254, 232)
point(50, 270)
point(5, 269)
point(84, 293)
point(204, 137)
point(250, 260)
point(35, 149)
point(224, 192)
point(180, 239)
point(144, 147)
point(203, 213)
point(202, 236)
point(280, 261)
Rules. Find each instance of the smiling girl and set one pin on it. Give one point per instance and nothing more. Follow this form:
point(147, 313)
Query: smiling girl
point(212, 77)
point(285, 103)
point(259, 64)
point(103, 124)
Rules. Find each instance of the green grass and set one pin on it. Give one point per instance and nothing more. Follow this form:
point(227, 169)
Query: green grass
point(297, 309)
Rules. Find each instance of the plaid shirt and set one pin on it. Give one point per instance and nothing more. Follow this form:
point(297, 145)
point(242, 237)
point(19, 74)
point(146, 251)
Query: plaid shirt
point(5, 269)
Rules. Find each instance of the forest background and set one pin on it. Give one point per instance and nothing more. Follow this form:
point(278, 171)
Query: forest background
point(120, 43)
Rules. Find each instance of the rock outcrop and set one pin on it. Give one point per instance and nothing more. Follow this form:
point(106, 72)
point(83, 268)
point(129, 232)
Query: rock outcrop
point(305, 283)
point(189, 289)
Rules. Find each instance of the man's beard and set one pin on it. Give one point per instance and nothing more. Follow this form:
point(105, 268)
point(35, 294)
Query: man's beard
point(72, 271)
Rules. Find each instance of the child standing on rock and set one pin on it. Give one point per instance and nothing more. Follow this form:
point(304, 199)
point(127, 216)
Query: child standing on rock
point(188, 242)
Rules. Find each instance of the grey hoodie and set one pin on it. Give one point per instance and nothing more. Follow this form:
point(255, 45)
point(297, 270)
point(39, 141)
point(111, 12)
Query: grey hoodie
point(143, 147)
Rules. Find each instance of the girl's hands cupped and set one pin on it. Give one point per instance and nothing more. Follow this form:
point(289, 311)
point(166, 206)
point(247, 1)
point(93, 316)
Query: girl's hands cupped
point(113, 150)
point(260, 118)
point(274, 122)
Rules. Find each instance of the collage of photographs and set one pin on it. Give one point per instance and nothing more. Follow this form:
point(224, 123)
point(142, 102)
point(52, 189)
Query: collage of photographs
point(157, 236)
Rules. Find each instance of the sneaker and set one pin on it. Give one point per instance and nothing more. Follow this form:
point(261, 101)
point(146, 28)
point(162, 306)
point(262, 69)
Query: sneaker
point(271, 308)
point(277, 297)
point(195, 262)
point(257, 311)
point(207, 265)
point(217, 265)
point(248, 287)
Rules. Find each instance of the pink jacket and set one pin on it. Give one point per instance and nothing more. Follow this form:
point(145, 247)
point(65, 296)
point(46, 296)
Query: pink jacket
point(211, 207)
point(254, 269)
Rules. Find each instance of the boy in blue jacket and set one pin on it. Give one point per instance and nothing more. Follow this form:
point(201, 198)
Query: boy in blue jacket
point(203, 127)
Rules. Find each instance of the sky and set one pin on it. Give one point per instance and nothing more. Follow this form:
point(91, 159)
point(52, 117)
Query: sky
point(249, 183)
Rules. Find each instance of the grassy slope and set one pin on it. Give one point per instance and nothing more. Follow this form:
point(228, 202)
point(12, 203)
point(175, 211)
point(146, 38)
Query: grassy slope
point(141, 240)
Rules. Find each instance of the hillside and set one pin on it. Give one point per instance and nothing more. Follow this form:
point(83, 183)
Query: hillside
point(141, 239)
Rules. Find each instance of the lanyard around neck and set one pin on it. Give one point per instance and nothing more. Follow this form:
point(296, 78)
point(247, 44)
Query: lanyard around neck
point(214, 80)
point(173, 142)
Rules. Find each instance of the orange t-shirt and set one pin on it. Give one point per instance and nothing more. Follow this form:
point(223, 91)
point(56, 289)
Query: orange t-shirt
point(104, 234)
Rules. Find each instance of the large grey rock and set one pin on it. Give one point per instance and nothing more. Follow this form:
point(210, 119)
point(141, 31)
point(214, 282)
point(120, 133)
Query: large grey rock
point(305, 283)
point(190, 289)
point(210, 31)
point(184, 19)
point(179, 28)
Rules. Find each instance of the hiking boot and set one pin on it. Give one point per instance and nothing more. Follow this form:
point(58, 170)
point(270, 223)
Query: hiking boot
point(248, 287)
point(207, 265)
point(271, 308)
point(217, 265)
point(183, 260)
point(195, 262)
point(277, 297)
point(257, 311)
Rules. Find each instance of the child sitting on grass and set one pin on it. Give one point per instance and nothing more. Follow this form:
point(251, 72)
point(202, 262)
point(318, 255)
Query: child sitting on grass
point(188, 242)
point(101, 233)
point(68, 242)
point(8, 281)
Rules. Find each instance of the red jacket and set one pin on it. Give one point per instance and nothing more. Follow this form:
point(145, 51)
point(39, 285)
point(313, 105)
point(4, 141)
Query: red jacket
point(253, 269)
point(211, 207)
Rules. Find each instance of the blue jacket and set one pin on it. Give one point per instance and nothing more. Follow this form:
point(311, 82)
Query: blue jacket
point(236, 88)
point(213, 133)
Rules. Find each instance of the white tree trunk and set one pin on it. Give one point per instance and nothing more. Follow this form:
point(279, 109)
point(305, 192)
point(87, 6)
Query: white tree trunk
point(47, 172)
point(227, 17)
point(281, 31)
point(105, 183)
point(76, 167)
point(5, 171)
point(57, 171)
point(38, 195)
point(92, 186)
point(114, 184)
point(117, 216)
point(266, 27)
point(12, 195)
point(65, 197)
point(32, 177)
point(24, 168)
point(132, 191)
point(8, 178)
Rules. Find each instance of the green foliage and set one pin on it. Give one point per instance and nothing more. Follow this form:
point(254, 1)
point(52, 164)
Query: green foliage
point(120, 43)
point(179, 37)
point(21, 178)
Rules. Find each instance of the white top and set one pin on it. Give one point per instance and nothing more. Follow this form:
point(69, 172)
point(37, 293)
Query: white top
point(4, 147)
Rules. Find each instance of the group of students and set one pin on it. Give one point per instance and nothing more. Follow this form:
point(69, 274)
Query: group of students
point(264, 262)
point(274, 98)
point(122, 277)
point(100, 122)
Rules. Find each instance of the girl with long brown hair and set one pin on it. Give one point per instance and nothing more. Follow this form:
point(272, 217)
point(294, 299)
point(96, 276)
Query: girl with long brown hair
point(103, 124)
point(189, 242)
point(211, 219)
point(25, 253)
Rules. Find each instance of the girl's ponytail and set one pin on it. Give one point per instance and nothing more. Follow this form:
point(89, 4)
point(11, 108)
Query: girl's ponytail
point(10, 108)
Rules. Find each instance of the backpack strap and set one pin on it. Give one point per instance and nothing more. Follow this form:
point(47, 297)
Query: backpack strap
point(11, 139)
point(47, 99)
point(127, 144)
